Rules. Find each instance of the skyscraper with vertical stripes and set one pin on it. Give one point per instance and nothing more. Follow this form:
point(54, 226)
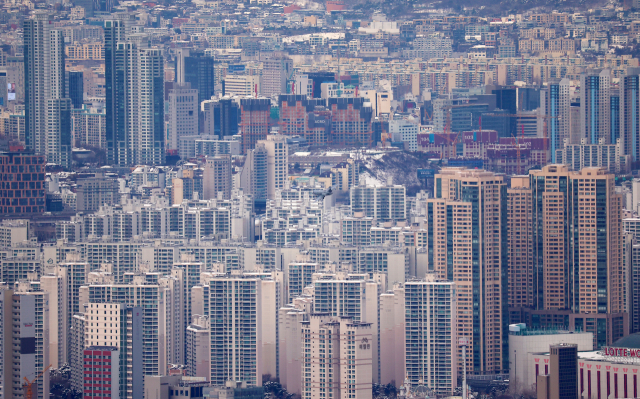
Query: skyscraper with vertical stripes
point(134, 79)
point(467, 244)
point(47, 110)
point(595, 105)
point(630, 112)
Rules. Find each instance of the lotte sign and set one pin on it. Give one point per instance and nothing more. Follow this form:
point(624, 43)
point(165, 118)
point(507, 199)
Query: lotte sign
point(621, 352)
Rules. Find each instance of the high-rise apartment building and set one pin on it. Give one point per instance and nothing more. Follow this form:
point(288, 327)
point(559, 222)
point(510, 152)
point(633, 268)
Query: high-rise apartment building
point(299, 276)
point(381, 203)
point(578, 273)
point(5, 301)
point(241, 312)
point(94, 192)
point(198, 340)
point(13, 232)
point(183, 115)
point(76, 351)
point(25, 340)
point(101, 372)
point(630, 112)
point(614, 119)
point(89, 127)
point(115, 31)
point(254, 121)
point(277, 71)
point(48, 120)
point(562, 380)
point(113, 324)
point(134, 78)
point(197, 69)
point(595, 105)
point(467, 244)
point(56, 286)
point(555, 106)
point(350, 121)
point(392, 335)
point(277, 163)
point(221, 117)
point(187, 275)
point(345, 175)
point(357, 299)
point(356, 230)
point(301, 116)
point(216, 178)
point(139, 95)
point(431, 334)
point(520, 241)
point(338, 357)
point(154, 297)
point(254, 175)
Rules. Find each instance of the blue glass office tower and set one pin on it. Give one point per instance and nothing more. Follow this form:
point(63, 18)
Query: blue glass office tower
point(630, 112)
point(595, 105)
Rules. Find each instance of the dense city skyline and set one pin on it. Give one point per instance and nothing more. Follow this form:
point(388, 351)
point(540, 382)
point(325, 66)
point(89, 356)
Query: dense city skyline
point(319, 200)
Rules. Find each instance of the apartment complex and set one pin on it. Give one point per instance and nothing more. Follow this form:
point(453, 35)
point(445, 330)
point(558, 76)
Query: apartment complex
point(467, 244)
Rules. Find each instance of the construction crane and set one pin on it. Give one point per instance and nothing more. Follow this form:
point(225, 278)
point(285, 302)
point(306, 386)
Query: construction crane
point(28, 384)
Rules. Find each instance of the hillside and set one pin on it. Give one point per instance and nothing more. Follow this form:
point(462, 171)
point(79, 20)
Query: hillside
point(399, 167)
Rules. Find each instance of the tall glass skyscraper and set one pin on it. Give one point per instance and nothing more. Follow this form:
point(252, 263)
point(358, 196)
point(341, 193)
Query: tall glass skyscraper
point(595, 105)
point(134, 79)
point(630, 112)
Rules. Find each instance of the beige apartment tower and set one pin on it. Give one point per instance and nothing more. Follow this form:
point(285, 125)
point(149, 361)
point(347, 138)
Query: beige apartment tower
point(520, 242)
point(337, 361)
point(468, 245)
point(217, 177)
point(277, 163)
point(578, 276)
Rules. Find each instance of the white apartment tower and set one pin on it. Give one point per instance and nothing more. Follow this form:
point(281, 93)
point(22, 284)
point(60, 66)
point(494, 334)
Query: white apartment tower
point(276, 72)
point(431, 339)
point(155, 296)
point(140, 84)
point(337, 358)
point(183, 114)
point(242, 315)
point(277, 163)
point(198, 340)
point(392, 335)
point(47, 110)
point(381, 203)
point(26, 340)
point(290, 354)
point(342, 296)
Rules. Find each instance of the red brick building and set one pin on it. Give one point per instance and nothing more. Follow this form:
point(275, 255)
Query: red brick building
point(350, 122)
point(255, 114)
point(101, 372)
point(308, 118)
